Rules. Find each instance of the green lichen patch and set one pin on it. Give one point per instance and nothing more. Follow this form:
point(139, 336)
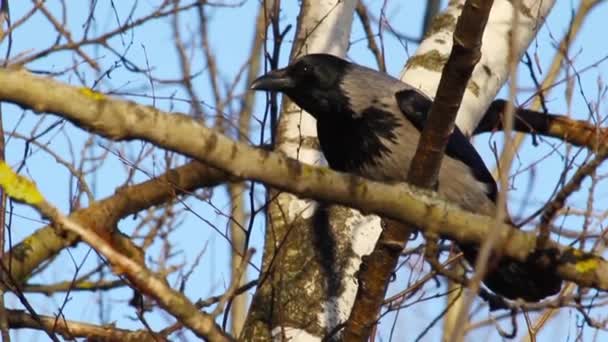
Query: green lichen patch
point(432, 60)
point(473, 87)
point(442, 22)
point(523, 9)
point(22, 250)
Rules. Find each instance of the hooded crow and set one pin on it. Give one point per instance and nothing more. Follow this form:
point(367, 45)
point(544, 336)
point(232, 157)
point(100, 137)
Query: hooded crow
point(369, 124)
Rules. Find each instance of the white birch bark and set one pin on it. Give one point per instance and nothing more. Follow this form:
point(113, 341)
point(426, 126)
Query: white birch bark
point(424, 69)
point(326, 27)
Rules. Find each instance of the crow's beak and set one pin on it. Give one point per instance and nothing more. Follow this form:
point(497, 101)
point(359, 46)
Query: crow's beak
point(276, 80)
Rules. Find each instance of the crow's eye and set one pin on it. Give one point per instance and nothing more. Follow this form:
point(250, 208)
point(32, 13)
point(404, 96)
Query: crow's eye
point(303, 70)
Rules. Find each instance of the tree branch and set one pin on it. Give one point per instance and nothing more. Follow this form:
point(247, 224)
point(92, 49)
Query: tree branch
point(124, 120)
point(70, 330)
point(456, 74)
point(576, 132)
point(102, 216)
point(149, 283)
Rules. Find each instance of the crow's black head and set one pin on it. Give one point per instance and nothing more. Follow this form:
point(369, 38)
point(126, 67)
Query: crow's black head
point(312, 82)
point(349, 101)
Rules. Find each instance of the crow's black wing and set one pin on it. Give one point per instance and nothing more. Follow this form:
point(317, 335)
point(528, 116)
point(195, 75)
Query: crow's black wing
point(416, 107)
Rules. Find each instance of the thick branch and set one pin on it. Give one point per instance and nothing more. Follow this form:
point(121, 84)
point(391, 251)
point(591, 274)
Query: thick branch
point(123, 120)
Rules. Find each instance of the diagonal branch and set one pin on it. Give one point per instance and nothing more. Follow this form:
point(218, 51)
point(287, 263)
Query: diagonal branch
point(149, 283)
point(124, 120)
point(456, 74)
point(175, 302)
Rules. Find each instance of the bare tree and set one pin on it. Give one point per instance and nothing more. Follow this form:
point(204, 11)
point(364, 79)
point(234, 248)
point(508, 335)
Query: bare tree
point(169, 204)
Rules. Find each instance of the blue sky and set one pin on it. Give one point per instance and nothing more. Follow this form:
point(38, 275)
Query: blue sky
point(230, 36)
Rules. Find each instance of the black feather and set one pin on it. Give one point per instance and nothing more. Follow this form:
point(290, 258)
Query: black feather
point(416, 108)
point(350, 143)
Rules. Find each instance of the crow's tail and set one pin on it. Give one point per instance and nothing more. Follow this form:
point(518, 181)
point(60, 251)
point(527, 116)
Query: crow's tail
point(515, 279)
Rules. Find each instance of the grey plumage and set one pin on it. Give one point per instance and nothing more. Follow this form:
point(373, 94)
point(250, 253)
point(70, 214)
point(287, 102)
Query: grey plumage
point(369, 124)
point(363, 86)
